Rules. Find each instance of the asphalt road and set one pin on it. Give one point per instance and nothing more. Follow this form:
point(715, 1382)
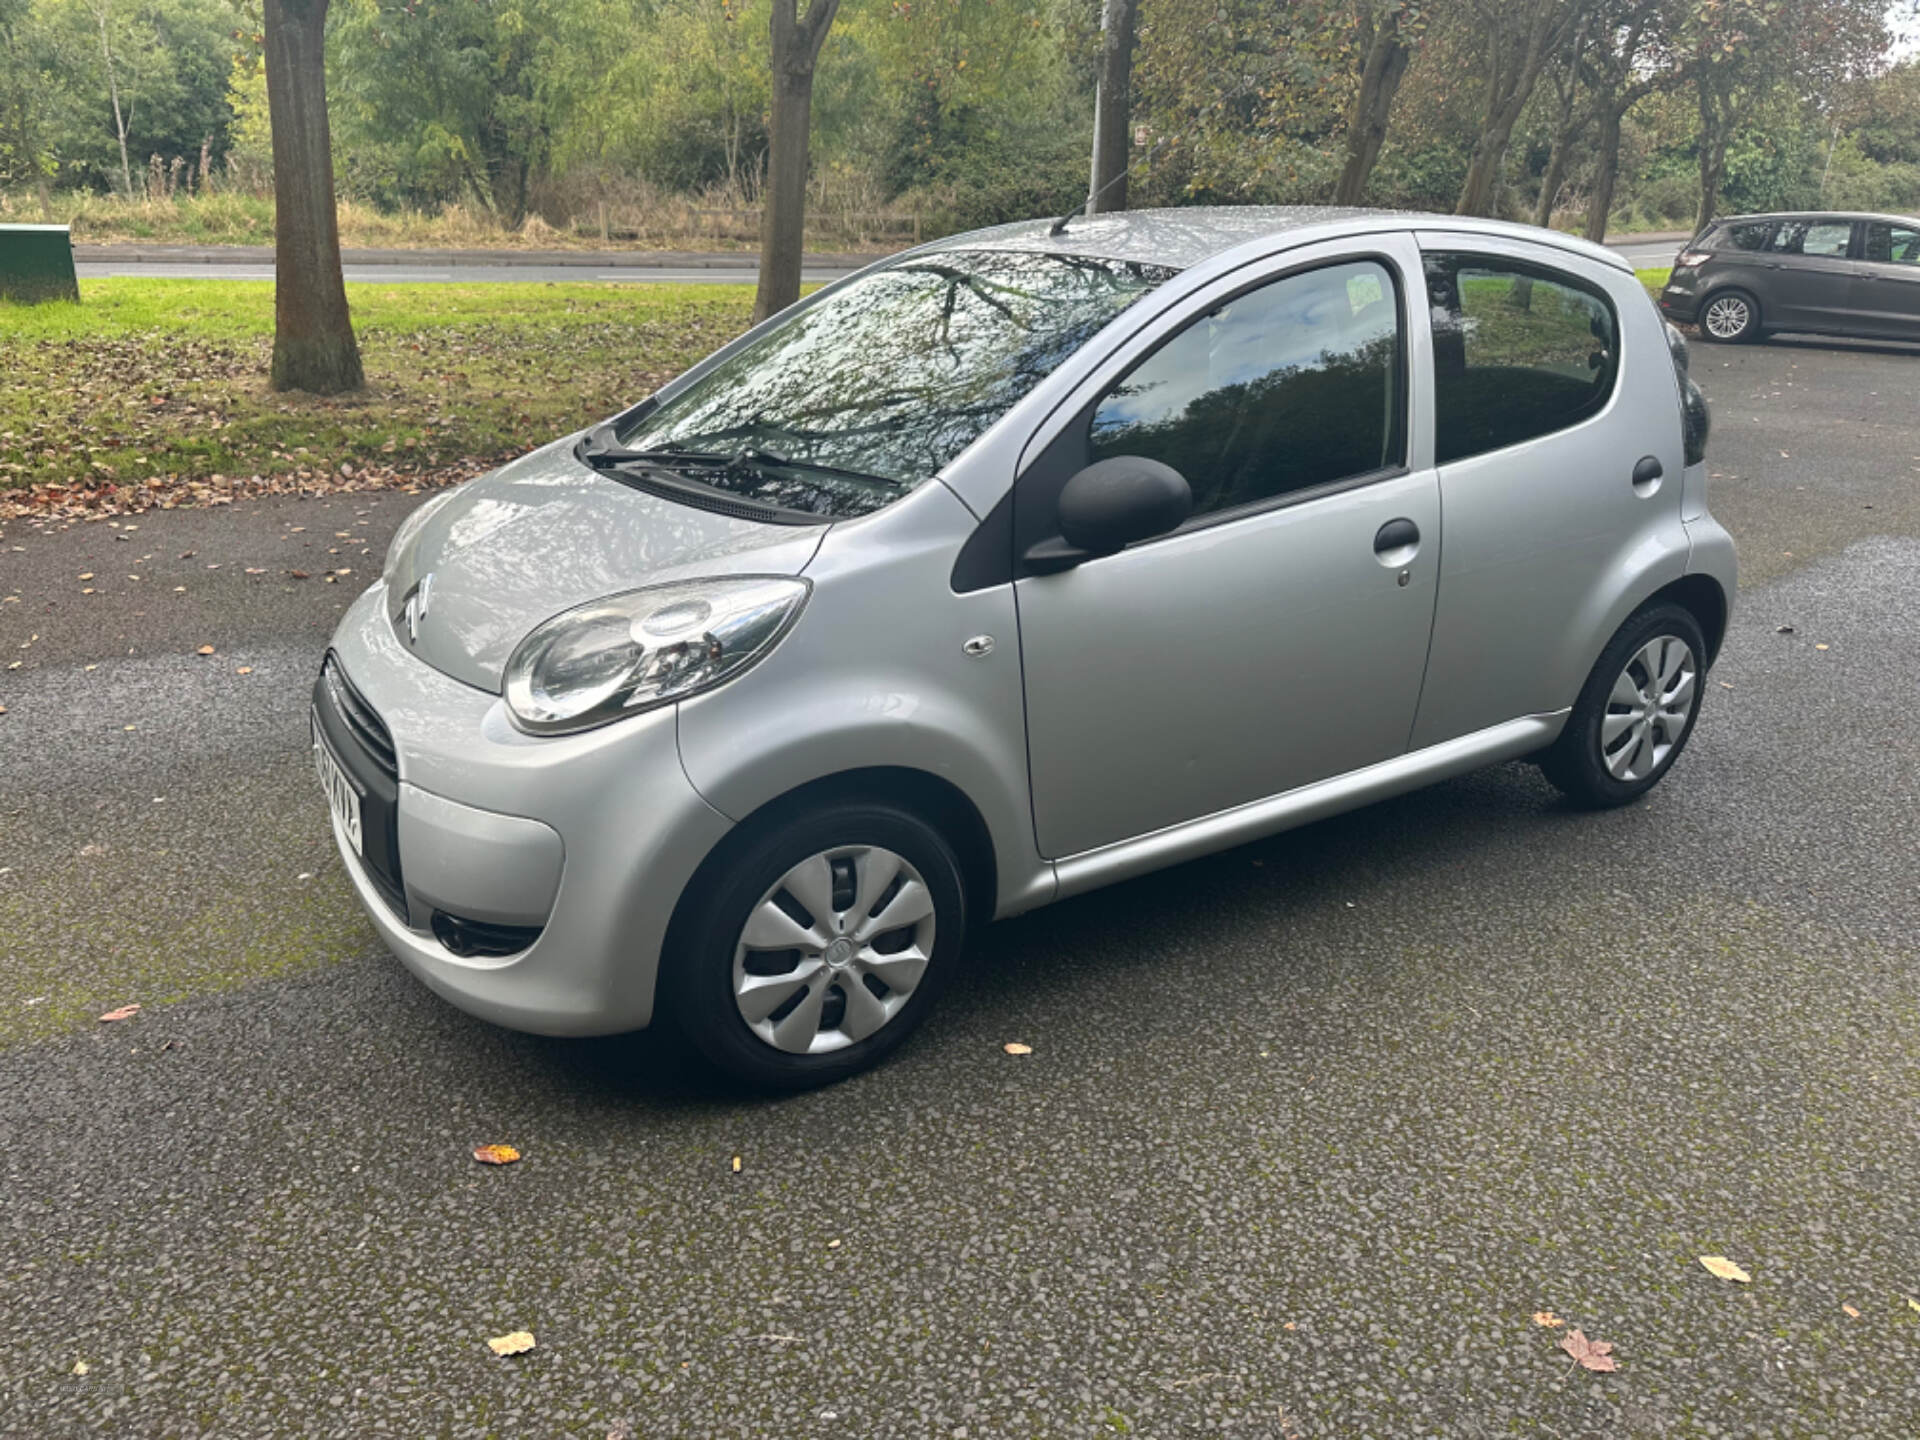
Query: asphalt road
point(721, 270)
point(1310, 1132)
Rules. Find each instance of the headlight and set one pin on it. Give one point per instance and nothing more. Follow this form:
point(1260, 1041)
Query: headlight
point(631, 652)
point(409, 532)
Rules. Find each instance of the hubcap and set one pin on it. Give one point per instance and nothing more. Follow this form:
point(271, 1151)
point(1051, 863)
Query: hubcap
point(833, 950)
point(1726, 317)
point(1648, 708)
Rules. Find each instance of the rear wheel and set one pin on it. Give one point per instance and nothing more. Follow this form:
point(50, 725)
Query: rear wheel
point(1635, 712)
point(821, 947)
point(1730, 317)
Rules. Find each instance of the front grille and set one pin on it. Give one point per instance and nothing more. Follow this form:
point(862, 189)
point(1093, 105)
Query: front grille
point(362, 744)
point(360, 717)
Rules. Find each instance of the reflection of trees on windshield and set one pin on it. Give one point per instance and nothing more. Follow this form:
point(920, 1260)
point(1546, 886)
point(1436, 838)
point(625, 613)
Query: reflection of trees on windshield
point(893, 377)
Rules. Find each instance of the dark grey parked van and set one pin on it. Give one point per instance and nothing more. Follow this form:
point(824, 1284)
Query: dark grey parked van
point(1750, 275)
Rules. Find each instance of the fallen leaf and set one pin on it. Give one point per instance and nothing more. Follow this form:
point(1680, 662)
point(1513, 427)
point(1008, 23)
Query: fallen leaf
point(298, 574)
point(736, 1164)
point(80, 1367)
point(204, 650)
point(1783, 630)
point(1548, 1319)
point(1913, 1304)
point(1014, 1047)
point(514, 1344)
point(86, 575)
point(1725, 1269)
point(833, 1244)
point(1592, 1354)
point(244, 670)
point(1819, 647)
point(1855, 1314)
point(495, 1154)
point(125, 1012)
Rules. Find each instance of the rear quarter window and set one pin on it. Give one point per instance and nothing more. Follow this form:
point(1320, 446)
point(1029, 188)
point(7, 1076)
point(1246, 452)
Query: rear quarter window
point(1520, 351)
point(1747, 235)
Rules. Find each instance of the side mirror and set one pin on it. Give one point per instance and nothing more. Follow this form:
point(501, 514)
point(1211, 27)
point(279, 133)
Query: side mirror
point(1109, 505)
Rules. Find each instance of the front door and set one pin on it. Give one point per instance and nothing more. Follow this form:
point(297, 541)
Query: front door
point(1811, 284)
point(1887, 288)
point(1279, 636)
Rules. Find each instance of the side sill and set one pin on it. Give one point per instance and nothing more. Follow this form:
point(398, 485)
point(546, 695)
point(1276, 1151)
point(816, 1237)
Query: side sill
point(1093, 868)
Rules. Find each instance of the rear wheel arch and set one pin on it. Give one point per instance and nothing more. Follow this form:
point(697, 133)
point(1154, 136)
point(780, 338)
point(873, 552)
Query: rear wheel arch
point(1703, 597)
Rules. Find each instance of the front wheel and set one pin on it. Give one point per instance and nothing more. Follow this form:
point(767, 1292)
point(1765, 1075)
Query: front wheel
point(1635, 712)
point(821, 946)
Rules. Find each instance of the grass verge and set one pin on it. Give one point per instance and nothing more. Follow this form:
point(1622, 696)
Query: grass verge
point(148, 385)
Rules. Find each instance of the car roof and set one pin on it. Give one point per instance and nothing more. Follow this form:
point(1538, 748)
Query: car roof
point(1185, 236)
point(1848, 215)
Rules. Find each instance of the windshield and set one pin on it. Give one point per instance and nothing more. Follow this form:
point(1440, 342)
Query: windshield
point(866, 394)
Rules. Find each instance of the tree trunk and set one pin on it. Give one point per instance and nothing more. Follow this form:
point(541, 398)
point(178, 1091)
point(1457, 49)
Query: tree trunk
point(313, 344)
point(113, 89)
point(1606, 170)
point(1385, 66)
point(1483, 171)
point(783, 201)
point(1551, 182)
point(1515, 60)
point(1712, 163)
point(1112, 107)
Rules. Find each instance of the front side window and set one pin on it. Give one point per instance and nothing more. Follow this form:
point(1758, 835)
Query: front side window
point(1893, 244)
point(1290, 386)
point(865, 395)
point(1828, 239)
point(1519, 351)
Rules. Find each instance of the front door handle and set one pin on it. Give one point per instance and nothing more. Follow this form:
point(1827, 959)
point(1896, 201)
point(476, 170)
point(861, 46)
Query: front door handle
point(1396, 542)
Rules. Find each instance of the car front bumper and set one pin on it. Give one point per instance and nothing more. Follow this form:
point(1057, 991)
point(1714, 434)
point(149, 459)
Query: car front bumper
point(581, 843)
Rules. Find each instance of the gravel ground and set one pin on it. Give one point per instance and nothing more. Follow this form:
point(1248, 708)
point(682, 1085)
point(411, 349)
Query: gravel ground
point(1310, 1132)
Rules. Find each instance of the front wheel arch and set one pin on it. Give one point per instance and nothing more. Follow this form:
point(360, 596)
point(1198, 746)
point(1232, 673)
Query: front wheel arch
point(938, 802)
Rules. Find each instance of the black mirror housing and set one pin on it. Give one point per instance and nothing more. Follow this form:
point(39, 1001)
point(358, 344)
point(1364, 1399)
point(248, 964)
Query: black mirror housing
point(1112, 503)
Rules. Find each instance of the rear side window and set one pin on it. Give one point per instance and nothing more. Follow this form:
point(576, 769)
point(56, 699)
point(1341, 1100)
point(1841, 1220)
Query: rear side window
point(1290, 386)
point(1829, 239)
point(1748, 235)
point(1519, 351)
point(1893, 244)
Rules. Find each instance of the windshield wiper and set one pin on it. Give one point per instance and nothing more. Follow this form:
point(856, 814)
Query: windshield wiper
point(598, 450)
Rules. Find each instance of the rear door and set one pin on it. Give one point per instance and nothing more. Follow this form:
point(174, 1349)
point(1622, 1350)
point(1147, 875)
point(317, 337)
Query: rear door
point(1812, 277)
point(1554, 400)
point(1887, 288)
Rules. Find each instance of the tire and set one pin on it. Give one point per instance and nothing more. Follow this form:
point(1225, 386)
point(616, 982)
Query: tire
point(1629, 724)
point(1735, 313)
point(766, 1013)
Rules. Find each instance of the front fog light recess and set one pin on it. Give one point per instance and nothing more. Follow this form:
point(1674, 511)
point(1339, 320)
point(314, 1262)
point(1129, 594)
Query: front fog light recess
point(630, 652)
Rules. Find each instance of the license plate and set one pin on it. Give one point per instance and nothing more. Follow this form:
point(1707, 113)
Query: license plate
point(342, 796)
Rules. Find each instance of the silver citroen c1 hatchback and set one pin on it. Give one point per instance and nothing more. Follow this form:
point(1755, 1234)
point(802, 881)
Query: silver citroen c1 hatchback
point(1014, 565)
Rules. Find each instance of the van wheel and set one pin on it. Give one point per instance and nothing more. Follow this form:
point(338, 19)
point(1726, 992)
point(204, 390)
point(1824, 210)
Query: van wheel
point(823, 944)
point(1635, 712)
point(1731, 316)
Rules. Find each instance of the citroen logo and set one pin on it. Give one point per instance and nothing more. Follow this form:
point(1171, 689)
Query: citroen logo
point(415, 610)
